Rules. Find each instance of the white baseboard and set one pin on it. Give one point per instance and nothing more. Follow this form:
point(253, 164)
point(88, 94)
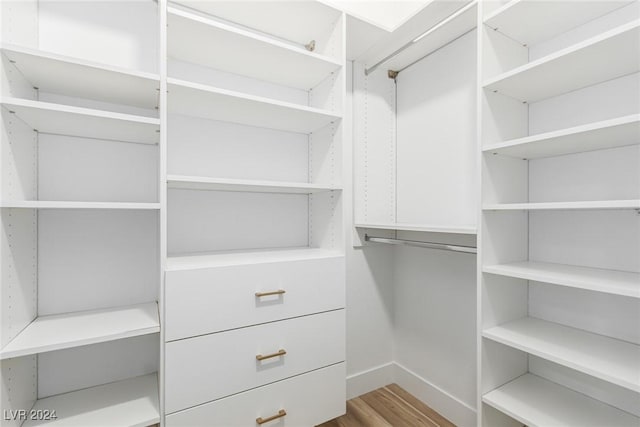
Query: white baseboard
point(369, 380)
point(442, 402)
point(445, 404)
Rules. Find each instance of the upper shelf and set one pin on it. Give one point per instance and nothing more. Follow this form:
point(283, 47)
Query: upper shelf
point(420, 227)
point(132, 402)
point(60, 331)
point(61, 119)
point(530, 22)
point(535, 401)
point(608, 359)
point(564, 206)
point(618, 132)
point(208, 102)
point(591, 279)
point(575, 67)
point(296, 21)
point(84, 79)
point(47, 204)
point(243, 257)
point(244, 185)
point(239, 51)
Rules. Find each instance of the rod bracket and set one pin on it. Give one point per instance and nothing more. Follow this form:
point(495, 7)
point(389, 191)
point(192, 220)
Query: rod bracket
point(311, 46)
point(392, 74)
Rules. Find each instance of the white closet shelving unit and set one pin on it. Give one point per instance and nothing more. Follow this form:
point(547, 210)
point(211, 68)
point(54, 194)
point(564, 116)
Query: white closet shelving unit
point(255, 249)
point(80, 203)
point(559, 279)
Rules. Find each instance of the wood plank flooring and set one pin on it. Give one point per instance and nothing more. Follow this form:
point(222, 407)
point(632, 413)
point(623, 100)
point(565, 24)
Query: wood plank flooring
point(389, 406)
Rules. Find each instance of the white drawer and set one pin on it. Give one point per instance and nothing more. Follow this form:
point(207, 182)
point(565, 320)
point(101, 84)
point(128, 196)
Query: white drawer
point(307, 399)
point(205, 368)
point(216, 299)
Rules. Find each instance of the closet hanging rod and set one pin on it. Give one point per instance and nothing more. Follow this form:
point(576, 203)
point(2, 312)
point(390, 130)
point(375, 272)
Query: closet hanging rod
point(416, 243)
point(431, 30)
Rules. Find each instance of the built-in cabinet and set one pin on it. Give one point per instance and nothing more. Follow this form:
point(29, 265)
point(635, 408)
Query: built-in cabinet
point(193, 192)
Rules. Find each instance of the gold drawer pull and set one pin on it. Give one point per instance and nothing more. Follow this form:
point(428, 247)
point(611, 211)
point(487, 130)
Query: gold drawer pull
point(280, 352)
point(281, 413)
point(266, 294)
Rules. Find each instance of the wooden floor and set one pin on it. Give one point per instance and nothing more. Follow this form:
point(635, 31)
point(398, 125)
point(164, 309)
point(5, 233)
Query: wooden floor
point(388, 406)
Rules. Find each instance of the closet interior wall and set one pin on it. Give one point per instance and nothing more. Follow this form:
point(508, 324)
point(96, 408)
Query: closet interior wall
point(80, 204)
point(415, 174)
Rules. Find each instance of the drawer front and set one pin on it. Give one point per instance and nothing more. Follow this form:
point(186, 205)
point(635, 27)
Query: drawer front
point(210, 300)
point(307, 399)
point(209, 367)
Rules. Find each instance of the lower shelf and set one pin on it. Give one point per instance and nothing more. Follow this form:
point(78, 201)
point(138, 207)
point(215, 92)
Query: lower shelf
point(60, 331)
point(132, 403)
point(421, 227)
point(45, 204)
point(608, 359)
point(242, 257)
point(537, 402)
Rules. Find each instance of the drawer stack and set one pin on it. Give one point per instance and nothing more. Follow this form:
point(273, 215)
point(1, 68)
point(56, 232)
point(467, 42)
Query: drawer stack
point(249, 341)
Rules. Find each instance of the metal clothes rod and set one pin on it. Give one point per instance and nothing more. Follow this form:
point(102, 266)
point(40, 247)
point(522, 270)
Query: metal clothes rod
point(441, 246)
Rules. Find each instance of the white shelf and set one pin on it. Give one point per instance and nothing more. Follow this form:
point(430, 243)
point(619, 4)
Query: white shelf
point(60, 119)
point(446, 31)
point(592, 279)
point(297, 21)
point(128, 403)
point(60, 331)
point(256, 256)
point(420, 227)
point(255, 186)
point(575, 67)
point(535, 401)
point(243, 52)
point(608, 359)
point(618, 132)
point(531, 22)
point(44, 204)
point(208, 102)
point(68, 76)
point(594, 205)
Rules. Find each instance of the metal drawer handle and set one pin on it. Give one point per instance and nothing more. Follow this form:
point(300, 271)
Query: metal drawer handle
point(266, 294)
point(281, 413)
point(280, 352)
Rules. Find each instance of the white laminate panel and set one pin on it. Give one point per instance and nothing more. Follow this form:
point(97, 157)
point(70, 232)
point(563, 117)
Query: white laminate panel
point(194, 305)
point(299, 397)
point(206, 368)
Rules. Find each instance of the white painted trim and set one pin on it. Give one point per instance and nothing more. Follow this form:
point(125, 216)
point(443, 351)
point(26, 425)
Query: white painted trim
point(450, 407)
point(453, 409)
point(365, 381)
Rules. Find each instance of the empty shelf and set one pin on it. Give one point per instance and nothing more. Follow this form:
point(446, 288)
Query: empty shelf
point(420, 227)
point(602, 135)
point(255, 186)
point(575, 67)
point(535, 401)
point(44, 204)
point(594, 205)
point(243, 52)
point(298, 21)
point(132, 403)
point(592, 279)
point(256, 256)
point(59, 74)
point(208, 102)
point(530, 22)
point(60, 119)
point(608, 359)
point(60, 331)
